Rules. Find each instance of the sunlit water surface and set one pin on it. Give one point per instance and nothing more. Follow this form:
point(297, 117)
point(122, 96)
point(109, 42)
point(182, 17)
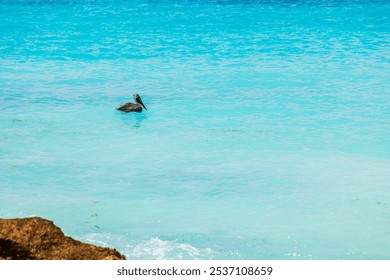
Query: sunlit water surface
point(267, 134)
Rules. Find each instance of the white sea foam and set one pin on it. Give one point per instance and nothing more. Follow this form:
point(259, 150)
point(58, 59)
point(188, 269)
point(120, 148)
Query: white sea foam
point(154, 248)
point(160, 249)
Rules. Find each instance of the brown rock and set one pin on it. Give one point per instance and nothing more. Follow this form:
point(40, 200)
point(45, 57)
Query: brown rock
point(40, 239)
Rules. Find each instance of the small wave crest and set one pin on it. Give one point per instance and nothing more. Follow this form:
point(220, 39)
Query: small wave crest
point(156, 248)
point(152, 249)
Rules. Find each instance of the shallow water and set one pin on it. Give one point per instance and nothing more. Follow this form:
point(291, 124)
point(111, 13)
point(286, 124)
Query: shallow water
point(266, 135)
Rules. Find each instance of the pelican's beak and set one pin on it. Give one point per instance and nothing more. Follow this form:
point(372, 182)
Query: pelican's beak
point(139, 101)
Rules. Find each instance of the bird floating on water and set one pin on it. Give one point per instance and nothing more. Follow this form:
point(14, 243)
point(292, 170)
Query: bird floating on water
point(132, 107)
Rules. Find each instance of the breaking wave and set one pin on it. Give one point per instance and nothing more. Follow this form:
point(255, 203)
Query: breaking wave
point(152, 249)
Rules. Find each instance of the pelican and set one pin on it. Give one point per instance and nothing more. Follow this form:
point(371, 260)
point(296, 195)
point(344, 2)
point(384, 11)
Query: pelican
point(132, 107)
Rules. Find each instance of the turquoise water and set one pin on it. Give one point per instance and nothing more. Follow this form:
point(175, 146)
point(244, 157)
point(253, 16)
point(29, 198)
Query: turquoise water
point(267, 134)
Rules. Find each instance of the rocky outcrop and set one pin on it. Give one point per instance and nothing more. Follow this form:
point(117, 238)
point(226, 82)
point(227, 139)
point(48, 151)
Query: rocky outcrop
point(40, 239)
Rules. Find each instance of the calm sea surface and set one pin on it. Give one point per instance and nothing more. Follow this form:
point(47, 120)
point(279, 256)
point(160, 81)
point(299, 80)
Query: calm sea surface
point(267, 134)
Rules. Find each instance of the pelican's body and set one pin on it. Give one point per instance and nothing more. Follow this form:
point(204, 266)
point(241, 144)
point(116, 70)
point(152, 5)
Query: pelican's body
point(132, 107)
point(129, 107)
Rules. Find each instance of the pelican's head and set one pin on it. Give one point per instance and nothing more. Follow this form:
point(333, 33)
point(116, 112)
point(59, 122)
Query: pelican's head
point(138, 100)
